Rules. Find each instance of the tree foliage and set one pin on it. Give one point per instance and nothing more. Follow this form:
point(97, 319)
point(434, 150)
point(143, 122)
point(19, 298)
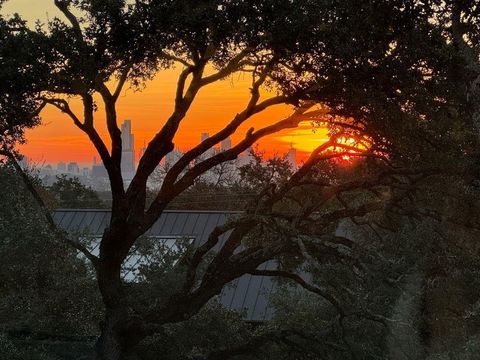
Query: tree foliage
point(20, 73)
point(381, 76)
point(44, 285)
point(69, 193)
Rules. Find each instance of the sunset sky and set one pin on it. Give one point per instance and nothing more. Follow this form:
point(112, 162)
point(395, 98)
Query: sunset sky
point(57, 139)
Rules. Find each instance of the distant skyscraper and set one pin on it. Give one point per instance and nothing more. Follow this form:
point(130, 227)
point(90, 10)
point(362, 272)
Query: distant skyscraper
point(204, 136)
point(226, 144)
point(73, 168)
point(245, 157)
point(46, 171)
point(172, 157)
point(128, 151)
point(292, 157)
point(61, 167)
point(99, 171)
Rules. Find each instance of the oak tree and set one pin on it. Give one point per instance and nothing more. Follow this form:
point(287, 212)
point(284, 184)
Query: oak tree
point(382, 69)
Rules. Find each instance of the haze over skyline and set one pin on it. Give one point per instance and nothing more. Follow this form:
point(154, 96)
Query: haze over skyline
point(57, 139)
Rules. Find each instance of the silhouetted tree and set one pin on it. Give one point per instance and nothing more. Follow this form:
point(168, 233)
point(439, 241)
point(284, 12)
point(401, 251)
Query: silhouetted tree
point(45, 286)
point(382, 68)
point(69, 193)
point(20, 75)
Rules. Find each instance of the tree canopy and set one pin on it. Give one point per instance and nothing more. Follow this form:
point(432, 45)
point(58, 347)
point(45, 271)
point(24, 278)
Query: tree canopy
point(390, 75)
point(19, 71)
point(70, 193)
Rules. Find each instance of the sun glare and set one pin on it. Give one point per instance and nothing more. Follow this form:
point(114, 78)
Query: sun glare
point(308, 137)
point(305, 138)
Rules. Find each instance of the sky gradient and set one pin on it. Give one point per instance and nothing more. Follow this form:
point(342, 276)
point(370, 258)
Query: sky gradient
point(57, 139)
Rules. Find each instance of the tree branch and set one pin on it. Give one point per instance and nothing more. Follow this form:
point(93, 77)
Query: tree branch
point(233, 65)
point(86, 126)
point(251, 109)
point(168, 192)
point(162, 142)
point(121, 81)
point(299, 280)
point(62, 5)
point(172, 57)
point(211, 242)
point(63, 106)
point(59, 234)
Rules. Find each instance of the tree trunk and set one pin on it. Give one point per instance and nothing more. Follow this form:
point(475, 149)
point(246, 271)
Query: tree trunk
point(119, 337)
point(108, 345)
point(121, 331)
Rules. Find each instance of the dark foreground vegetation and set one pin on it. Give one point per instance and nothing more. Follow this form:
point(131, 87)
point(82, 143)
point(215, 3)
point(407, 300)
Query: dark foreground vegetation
point(407, 289)
point(390, 241)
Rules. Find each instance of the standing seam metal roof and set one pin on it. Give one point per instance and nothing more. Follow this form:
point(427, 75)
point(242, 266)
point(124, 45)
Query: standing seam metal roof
point(248, 294)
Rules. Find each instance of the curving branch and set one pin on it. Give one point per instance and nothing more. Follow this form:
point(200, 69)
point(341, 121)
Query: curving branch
point(122, 79)
point(233, 65)
point(63, 106)
point(316, 290)
point(306, 285)
point(172, 57)
point(112, 125)
point(59, 234)
point(181, 82)
point(162, 142)
point(251, 109)
point(169, 191)
point(87, 127)
point(194, 261)
point(63, 6)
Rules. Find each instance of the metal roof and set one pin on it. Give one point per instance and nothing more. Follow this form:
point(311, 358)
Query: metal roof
point(247, 294)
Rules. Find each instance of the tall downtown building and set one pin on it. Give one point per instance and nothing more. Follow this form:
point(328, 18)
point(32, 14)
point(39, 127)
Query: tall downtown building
point(128, 151)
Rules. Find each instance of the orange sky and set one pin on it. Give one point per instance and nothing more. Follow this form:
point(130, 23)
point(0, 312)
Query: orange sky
point(57, 139)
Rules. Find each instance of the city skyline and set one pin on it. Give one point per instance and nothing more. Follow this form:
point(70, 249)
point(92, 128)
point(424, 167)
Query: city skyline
point(94, 174)
point(46, 143)
point(214, 107)
point(131, 157)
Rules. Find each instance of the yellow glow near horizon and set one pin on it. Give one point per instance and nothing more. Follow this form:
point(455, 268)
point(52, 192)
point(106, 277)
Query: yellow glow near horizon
point(305, 139)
